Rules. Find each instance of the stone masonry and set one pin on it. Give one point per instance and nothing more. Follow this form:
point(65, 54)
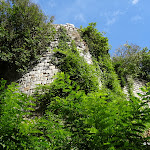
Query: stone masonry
point(137, 84)
point(43, 72)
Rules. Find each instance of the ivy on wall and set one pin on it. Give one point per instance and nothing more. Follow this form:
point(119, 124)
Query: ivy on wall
point(70, 62)
point(99, 48)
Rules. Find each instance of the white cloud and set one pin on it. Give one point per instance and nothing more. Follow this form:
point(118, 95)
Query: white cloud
point(35, 1)
point(80, 17)
point(112, 17)
point(136, 18)
point(134, 2)
point(116, 13)
point(52, 3)
point(111, 21)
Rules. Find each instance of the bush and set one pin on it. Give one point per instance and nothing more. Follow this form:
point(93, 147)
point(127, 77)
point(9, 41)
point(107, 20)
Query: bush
point(21, 129)
point(14, 106)
point(97, 43)
point(96, 120)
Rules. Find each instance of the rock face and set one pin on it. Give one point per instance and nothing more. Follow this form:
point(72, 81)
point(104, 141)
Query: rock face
point(43, 72)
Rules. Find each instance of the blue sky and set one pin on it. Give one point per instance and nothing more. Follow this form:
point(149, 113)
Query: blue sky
point(122, 20)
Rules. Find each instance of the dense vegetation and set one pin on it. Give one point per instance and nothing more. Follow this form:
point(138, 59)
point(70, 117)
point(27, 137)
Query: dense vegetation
point(99, 48)
point(74, 111)
point(25, 32)
point(130, 60)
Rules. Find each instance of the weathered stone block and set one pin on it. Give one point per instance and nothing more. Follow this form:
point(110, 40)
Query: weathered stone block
point(27, 88)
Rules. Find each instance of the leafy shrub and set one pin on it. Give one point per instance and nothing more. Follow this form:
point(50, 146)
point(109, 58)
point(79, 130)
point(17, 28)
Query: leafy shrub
point(19, 130)
point(96, 120)
point(71, 118)
point(14, 106)
point(145, 63)
point(62, 98)
point(97, 43)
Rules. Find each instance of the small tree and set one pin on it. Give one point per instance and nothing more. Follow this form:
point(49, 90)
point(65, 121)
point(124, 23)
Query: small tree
point(25, 32)
point(131, 60)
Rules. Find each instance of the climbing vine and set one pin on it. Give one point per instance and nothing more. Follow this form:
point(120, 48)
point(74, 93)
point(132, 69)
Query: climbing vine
point(70, 62)
point(99, 48)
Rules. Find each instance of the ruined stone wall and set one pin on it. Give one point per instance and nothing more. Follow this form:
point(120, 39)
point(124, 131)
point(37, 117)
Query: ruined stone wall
point(43, 72)
point(82, 47)
point(137, 84)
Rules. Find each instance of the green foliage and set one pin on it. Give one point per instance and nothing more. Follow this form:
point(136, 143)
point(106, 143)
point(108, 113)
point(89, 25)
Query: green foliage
point(25, 32)
point(46, 132)
point(115, 124)
point(99, 47)
point(131, 60)
point(20, 131)
point(62, 98)
point(145, 63)
point(96, 120)
point(130, 85)
point(72, 119)
point(69, 61)
point(74, 112)
point(14, 106)
point(97, 43)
